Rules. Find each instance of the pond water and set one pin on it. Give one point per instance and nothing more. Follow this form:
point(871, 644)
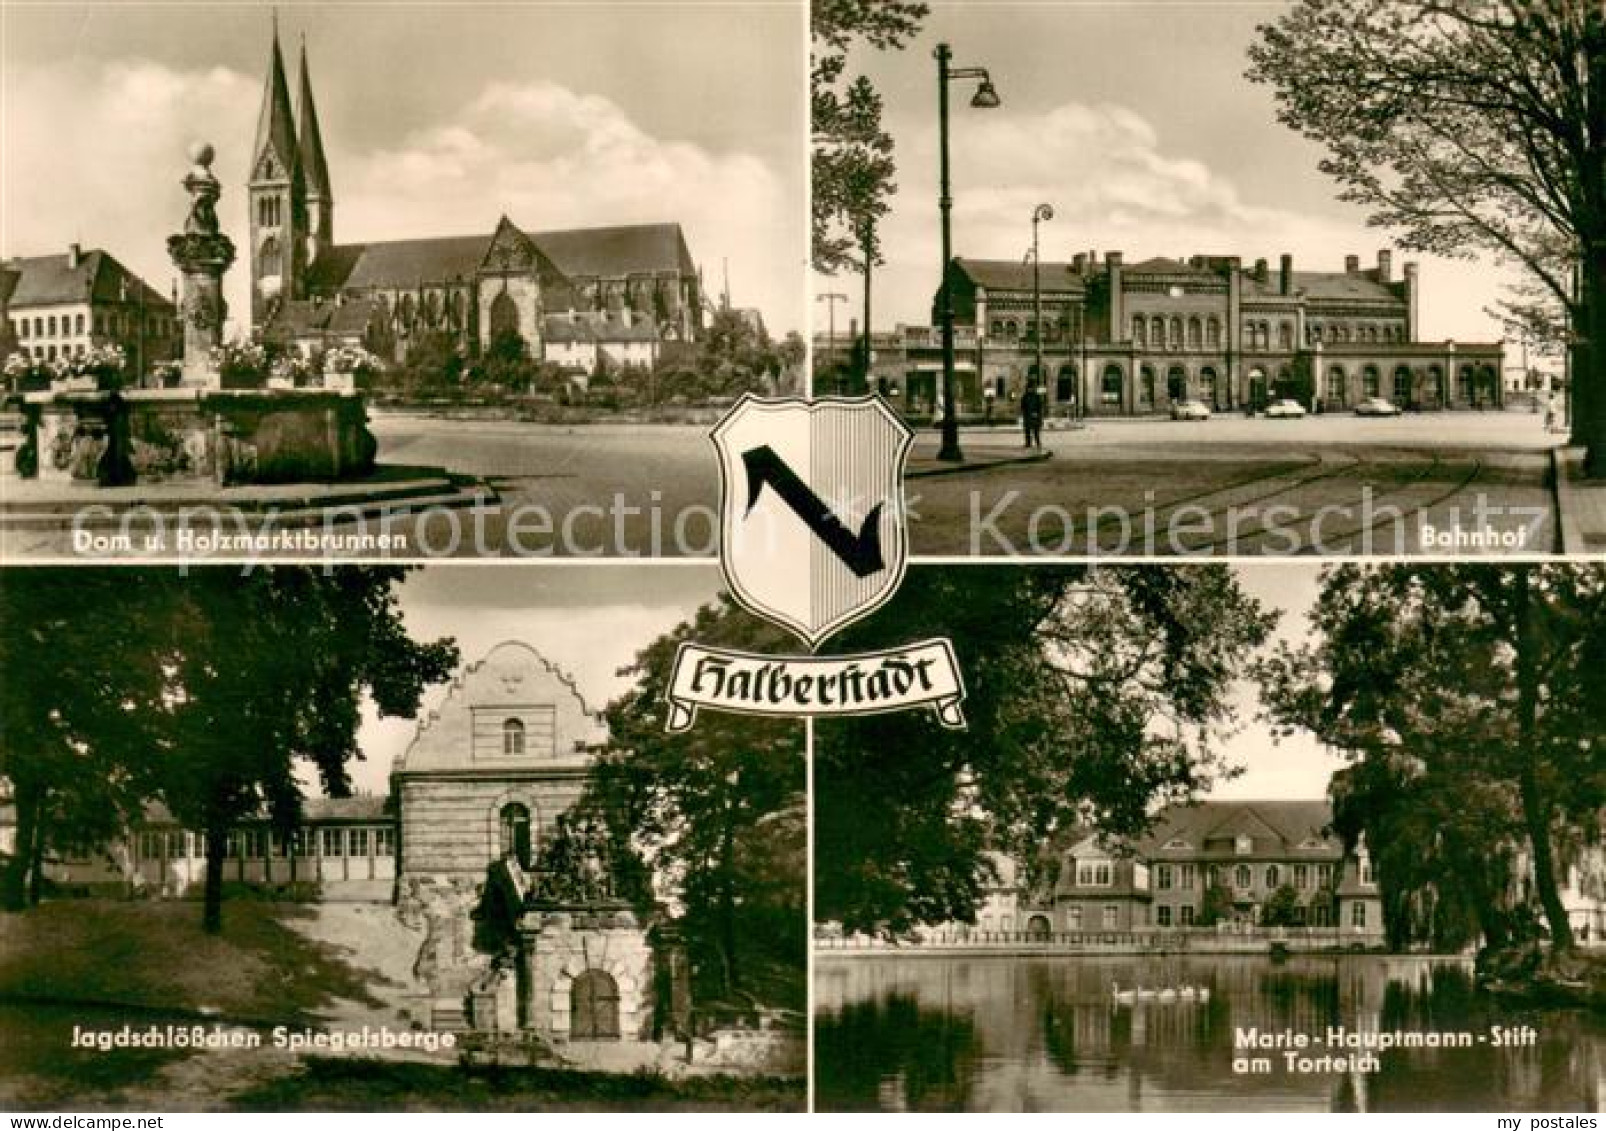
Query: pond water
point(1046, 1034)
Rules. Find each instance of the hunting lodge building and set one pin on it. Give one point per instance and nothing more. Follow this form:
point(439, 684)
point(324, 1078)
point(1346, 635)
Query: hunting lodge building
point(576, 297)
point(1123, 339)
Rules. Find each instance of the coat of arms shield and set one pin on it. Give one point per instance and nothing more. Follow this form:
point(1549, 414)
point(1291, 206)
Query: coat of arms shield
point(813, 529)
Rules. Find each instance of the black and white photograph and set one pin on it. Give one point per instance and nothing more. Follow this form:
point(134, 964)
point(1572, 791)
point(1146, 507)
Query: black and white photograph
point(1257, 837)
point(372, 840)
point(391, 280)
point(1217, 278)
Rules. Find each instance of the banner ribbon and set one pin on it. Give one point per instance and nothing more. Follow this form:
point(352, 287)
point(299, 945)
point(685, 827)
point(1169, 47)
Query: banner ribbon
point(922, 674)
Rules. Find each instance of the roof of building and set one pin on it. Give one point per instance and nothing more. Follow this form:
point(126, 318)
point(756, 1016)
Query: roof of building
point(1358, 285)
point(276, 132)
point(1275, 828)
point(314, 166)
point(52, 280)
point(302, 317)
point(1160, 265)
point(597, 326)
point(364, 807)
point(400, 264)
point(1009, 275)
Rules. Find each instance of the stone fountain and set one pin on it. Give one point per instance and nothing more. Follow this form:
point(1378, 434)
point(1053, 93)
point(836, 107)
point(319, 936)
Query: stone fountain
point(112, 435)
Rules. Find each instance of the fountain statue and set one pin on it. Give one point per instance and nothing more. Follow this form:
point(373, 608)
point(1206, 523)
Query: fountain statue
point(202, 254)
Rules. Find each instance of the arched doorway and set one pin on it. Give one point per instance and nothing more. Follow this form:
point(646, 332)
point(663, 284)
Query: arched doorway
point(1402, 386)
point(1110, 389)
point(594, 1007)
point(1207, 386)
point(1037, 926)
point(1146, 385)
point(516, 839)
point(1065, 385)
point(1176, 384)
point(504, 315)
point(1257, 389)
point(1433, 387)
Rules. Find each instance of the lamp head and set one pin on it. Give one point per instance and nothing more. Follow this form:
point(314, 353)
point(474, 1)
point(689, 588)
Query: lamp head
point(1043, 212)
point(986, 97)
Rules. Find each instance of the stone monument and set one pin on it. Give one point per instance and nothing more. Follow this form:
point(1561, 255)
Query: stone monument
point(202, 253)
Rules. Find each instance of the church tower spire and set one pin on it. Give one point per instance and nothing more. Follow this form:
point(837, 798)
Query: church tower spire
point(314, 167)
point(277, 197)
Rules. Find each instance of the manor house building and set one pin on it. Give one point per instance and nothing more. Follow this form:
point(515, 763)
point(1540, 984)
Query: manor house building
point(1245, 850)
point(1132, 339)
point(579, 297)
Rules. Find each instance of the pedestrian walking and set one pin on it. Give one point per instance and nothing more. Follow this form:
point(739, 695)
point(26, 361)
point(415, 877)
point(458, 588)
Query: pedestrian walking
point(1031, 416)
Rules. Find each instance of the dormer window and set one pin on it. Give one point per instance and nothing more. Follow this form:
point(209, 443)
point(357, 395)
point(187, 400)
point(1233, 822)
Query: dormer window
point(1243, 845)
point(512, 737)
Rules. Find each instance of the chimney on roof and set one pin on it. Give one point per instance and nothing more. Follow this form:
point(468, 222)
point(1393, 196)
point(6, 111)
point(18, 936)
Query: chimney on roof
point(1262, 271)
point(1285, 274)
point(1112, 258)
point(1079, 263)
point(1352, 264)
point(1385, 266)
point(75, 256)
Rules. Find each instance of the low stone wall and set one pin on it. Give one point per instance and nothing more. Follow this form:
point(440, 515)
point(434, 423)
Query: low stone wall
point(217, 436)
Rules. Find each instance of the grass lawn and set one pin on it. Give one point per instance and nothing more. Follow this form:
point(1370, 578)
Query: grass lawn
point(154, 955)
point(365, 1085)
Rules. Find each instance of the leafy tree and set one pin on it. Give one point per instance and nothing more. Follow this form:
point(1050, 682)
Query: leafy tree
point(1442, 847)
point(266, 671)
point(1093, 697)
point(1476, 126)
point(1473, 692)
point(506, 363)
point(434, 361)
point(714, 813)
point(1215, 907)
point(1281, 908)
point(852, 161)
point(81, 684)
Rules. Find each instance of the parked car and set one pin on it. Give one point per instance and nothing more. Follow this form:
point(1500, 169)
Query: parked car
point(1284, 409)
point(1377, 406)
point(1190, 410)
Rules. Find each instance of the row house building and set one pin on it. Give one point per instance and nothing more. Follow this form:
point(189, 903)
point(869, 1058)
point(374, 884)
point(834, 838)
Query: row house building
point(1120, 339)
point(60, 306)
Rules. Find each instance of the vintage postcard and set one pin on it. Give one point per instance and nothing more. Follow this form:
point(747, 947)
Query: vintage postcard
point(391, 280)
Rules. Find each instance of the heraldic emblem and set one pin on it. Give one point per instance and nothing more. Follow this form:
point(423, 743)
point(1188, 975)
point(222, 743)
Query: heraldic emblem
point(813, 536)
point(813, 529)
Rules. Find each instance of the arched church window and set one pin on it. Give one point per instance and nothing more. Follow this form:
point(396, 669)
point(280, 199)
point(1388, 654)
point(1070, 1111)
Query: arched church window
point(504, 315)
point(270, 258)
point(513, 737)
point(516, 840)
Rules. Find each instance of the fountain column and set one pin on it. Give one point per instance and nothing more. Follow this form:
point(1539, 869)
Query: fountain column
point(202, 254)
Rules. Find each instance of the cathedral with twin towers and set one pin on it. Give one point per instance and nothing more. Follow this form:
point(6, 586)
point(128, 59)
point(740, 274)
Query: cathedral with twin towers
point(580, 297)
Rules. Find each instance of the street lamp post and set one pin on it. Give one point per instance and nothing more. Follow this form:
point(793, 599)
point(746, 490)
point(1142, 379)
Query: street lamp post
point(831, 298)
point(985, 98)
point(1040, 213)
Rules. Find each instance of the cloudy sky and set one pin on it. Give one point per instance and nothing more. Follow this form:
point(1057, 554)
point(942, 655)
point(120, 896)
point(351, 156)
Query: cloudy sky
point(1133, 120)
point(437, 118)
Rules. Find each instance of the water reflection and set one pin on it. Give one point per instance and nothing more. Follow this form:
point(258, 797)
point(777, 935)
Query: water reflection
point(1042, 1034)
